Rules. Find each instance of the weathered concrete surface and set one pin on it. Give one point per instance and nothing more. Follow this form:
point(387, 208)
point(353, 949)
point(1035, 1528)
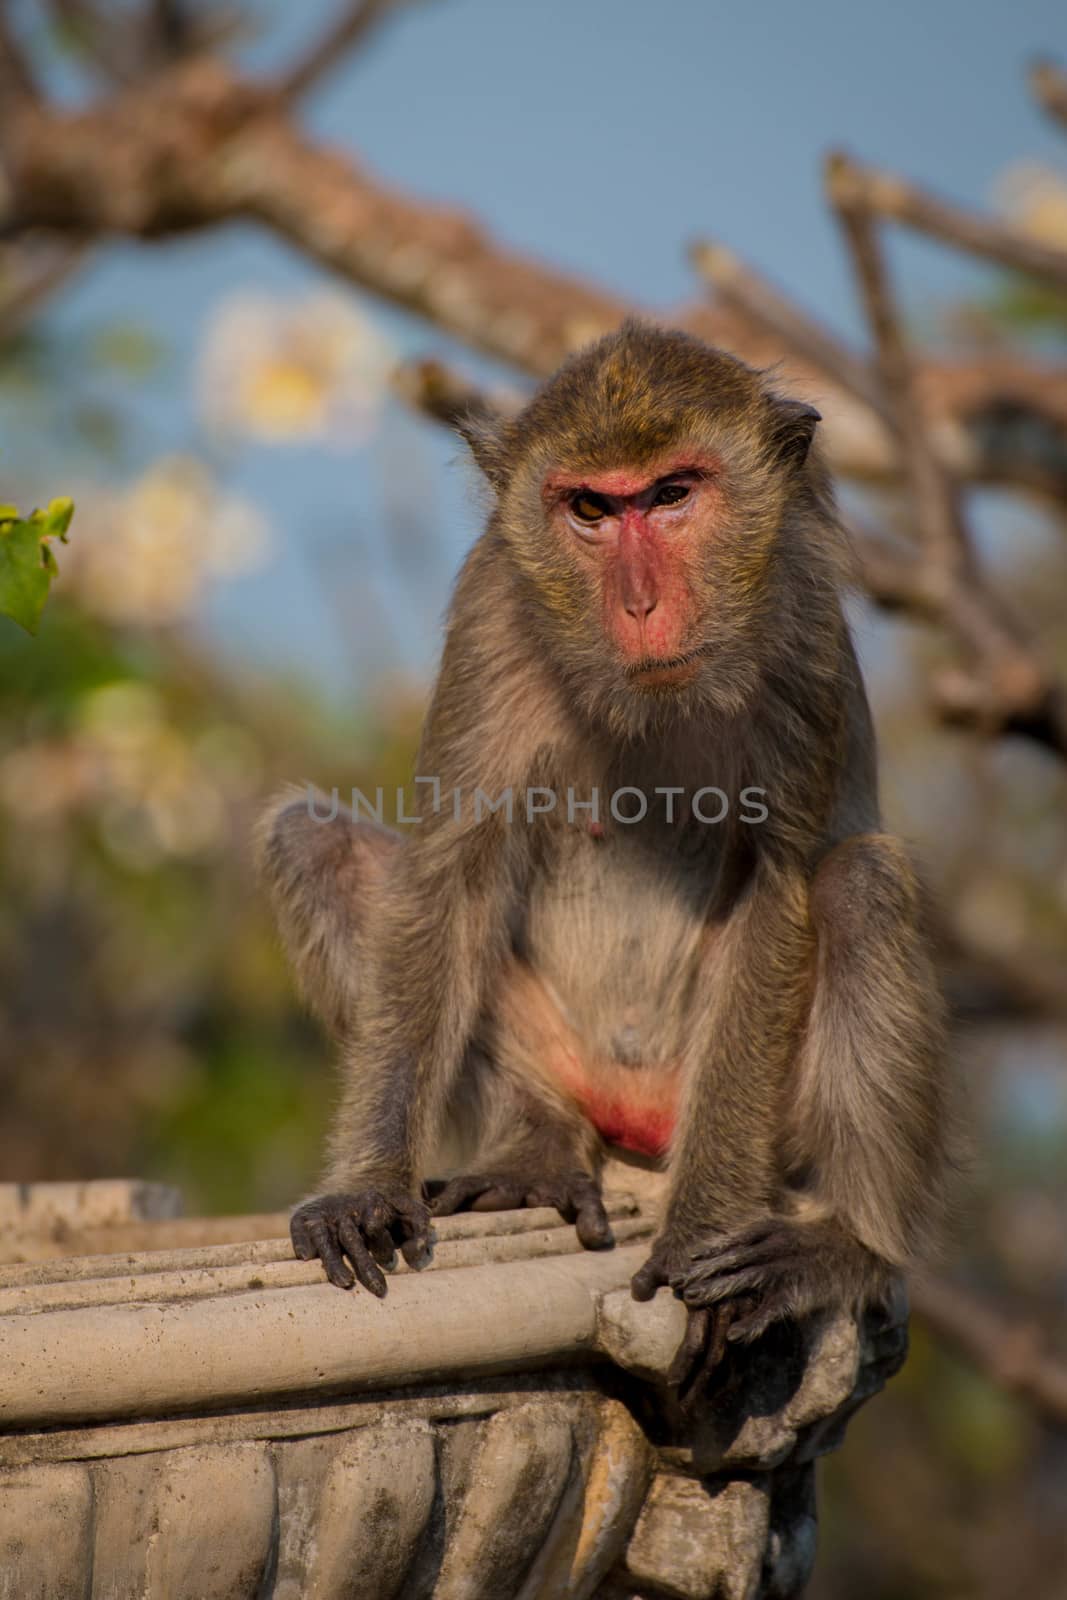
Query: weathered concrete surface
point(694, 1539)
point(45, 1533)
point(213, 1421)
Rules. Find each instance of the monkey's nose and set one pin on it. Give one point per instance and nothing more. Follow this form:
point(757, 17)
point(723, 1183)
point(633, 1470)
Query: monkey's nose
point(640, 606)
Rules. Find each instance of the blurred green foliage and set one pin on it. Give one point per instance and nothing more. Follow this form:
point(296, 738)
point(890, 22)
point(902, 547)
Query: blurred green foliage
point(149, 1025)
point(27, 560)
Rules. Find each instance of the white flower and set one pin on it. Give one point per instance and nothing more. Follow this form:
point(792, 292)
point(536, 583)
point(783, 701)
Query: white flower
point(279, 371)
point(144, 554)
point(1035, 197)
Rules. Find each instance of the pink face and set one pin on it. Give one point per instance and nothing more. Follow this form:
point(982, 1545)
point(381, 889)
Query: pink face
point(642, 533)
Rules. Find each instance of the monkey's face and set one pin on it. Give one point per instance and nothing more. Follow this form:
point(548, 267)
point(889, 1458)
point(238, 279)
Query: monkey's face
point(639, 538)
point(653, 574)
point(642, 496)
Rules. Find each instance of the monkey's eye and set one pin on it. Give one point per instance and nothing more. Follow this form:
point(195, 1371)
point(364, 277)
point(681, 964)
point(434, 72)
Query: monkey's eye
point(671, 494)
point(589, 507)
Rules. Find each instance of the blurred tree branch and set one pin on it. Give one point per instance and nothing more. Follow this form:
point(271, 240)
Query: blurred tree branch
point(1011, 1353)
point(17, 82)
point(884, 195)
point(126, 47)
point(205, 146)
point(1048, 83)
point(738, 285)
point(195, 146)
point(1010, 688)
point(350, 29)
point(29, 277)
point(941, 582)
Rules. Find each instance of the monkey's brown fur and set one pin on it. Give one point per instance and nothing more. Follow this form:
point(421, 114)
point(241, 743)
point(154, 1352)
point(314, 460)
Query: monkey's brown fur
point(778, 972)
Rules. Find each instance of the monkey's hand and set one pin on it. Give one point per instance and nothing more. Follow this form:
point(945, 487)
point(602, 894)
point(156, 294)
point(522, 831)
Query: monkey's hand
point(367, 1229)
point(575, 1195)
point(735, 1287)
point(784, 1269)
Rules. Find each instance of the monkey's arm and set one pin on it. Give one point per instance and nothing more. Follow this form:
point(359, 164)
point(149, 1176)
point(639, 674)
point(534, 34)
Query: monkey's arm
point(438, 928)
point(438, 931)
point(865, 1115)
point(725, 1166)
point(862, 1124)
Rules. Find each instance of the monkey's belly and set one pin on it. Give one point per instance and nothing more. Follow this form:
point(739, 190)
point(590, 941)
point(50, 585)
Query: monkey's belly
point(601, 993)
point(634, 1106)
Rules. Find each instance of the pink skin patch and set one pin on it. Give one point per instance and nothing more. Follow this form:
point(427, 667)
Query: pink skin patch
point(642, 549)
point(634, 1107)
point(645, 1131)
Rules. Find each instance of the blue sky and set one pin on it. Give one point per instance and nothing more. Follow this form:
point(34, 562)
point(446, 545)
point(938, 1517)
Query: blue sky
point(601, 137)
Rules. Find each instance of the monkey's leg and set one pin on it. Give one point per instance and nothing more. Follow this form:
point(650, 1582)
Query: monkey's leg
point(865, 1132)
point(534, 1146)
point(323, 872)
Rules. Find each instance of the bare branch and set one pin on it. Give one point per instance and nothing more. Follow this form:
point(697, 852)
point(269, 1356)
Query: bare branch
point(885, 195)
point(739, 285)
point(204, 147)
point(127, 48)
point(95, 34)
point(1011, 688)
point(33, 283)
point(1048, 84)
point(940, 523)
point(351, 27)
point(1012, 1354)
point(169, 21)
point(17, 81)
point(440, 393)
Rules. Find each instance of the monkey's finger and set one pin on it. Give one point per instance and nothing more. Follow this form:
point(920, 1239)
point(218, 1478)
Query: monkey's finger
point(501, 1197)
point(709, 1371)
point(300, 1234)
point(366, 1270)
point(416, 1236)
point(459, 1192)
point(418, 1250)
point(647, 1279)
point(708, 1289)
point(747, 1252)
point(690, 1353)
point(381, 1245)
point(592, 1225)
point(746, 1328)
point(885, 1348)
point(375, 1214)
point(328, 1251)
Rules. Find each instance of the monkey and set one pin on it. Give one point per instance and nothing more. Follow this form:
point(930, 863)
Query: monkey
point(653, 612)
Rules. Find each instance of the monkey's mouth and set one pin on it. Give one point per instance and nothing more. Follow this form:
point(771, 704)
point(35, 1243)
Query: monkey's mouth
point(674, 672)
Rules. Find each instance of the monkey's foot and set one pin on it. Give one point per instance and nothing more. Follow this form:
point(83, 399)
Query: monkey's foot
point(367, 1229)
point(575, 1195)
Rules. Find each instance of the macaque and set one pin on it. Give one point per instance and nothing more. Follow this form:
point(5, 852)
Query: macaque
point(650, 624)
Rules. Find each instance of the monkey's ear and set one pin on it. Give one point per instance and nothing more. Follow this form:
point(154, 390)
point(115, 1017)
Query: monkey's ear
point(792, 429)
point(486, 435)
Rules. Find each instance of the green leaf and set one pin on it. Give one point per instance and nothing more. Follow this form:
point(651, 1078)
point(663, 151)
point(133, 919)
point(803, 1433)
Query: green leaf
point(27, 561)
point(56, 520)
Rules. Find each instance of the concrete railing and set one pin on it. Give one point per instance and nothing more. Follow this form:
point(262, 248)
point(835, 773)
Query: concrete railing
point(214, 1420)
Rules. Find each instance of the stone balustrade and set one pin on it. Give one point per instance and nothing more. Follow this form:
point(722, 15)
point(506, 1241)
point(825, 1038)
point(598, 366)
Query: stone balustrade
point(209, 1418)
